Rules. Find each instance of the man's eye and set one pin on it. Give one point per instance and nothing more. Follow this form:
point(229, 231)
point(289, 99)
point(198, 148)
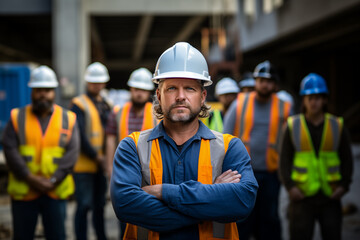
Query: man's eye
point(190, 89)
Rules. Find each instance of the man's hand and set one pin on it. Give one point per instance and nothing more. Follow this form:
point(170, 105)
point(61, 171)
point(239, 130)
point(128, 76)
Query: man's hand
point(155, 190)
point(295, 194)
point(229, 176)
point(39, 183)
point(338, 193)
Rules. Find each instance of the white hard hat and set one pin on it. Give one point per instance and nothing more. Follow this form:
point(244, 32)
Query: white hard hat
point(182, 61)
point(141, 78)
point(285, 96)
point(226, 85)
point(96, 73)
point(43, 77)
point(249, 82)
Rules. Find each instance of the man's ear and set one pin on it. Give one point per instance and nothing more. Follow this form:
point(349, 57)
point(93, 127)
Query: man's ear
point(158, 94)
point(203, 96)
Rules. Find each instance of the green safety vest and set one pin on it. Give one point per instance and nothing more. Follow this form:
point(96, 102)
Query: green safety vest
point(310, 172)
point(216, 122)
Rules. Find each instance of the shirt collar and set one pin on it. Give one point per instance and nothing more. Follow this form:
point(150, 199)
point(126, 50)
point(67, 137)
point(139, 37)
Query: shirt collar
point(203, 132)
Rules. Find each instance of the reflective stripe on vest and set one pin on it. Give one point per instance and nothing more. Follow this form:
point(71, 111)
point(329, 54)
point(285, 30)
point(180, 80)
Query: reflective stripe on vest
point(310, 172)
point(122, 119)
point(94, 133)
point(279, 112)
point(211, 157)
point(42, 151)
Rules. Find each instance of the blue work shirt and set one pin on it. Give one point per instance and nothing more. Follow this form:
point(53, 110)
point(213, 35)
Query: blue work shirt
point(185, 201)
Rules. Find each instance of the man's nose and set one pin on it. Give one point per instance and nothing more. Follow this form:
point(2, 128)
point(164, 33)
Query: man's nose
point(180, 94)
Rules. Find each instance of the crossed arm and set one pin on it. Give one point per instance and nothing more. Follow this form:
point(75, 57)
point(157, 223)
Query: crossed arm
point(190, 202)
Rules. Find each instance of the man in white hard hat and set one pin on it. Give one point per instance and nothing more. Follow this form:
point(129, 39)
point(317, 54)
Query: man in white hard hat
point(134, 116)
point(92, 111)
point(165, 180)
point(247, 84)
point(257, 118)
point(41, 145)
point(226, 91)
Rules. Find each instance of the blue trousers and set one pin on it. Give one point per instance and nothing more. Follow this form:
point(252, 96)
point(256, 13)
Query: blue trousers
point(25, 215)
point(90, 194)
point(264, 221)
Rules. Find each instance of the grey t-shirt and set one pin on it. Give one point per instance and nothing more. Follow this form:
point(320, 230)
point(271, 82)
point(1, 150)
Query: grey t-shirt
point(259, 133)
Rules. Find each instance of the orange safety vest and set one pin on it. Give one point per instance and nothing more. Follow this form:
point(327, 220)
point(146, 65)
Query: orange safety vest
point(279, 112)
point(41, 151)
point(122, 119)
point(211, 156)
point(94, 132)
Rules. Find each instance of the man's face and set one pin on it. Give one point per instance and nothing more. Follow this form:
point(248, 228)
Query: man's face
point(247, 89)
point(227, 99)
point(314, 103)
point(42, 99)
point(181, 99)
point(95, 88)
point(265, 87)
point(139, 97)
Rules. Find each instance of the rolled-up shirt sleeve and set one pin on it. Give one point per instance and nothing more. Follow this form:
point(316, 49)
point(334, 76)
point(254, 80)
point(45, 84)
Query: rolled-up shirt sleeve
point(133, 205)
point(212, 201)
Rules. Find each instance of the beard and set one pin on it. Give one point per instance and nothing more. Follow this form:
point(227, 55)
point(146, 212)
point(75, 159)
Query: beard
point(41, 105)
point(182, 118)
point(264, 94)
point(138, 104)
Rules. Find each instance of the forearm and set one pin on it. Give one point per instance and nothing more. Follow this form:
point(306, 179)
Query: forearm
point(287, 152)
point(346, 158)
point(14, 160)
point(133, 205)
point(211, 202)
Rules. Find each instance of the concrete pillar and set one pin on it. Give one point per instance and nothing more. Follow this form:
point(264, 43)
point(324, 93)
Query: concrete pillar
point(70, 47)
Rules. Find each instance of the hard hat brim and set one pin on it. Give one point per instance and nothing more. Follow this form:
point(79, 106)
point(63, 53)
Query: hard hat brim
point(142, 86)
point(43, 85)
point(180, 74)
point(97, 79)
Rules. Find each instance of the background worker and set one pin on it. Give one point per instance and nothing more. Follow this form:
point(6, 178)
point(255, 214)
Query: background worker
point(226, 91)
point(165, 179)
point(41, 145)
point(247, 84)
point(257, 119)
point(92, 111)
point(134, 116)
point(315, 164)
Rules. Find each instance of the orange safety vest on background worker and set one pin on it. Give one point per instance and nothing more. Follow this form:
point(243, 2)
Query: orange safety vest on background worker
point(212, 153)
point(94, 132)
point(42, 150)
point(122, 119)
point(279, 112)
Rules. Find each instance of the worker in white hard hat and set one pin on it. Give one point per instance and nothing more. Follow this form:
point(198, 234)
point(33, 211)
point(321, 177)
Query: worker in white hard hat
point(165, 180)
point(247, 84)
point(226, 91)
point(92, 111)
point(41, 144)
point(134, 116)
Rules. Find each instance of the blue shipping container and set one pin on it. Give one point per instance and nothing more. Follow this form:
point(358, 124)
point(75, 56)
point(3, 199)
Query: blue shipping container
point(14, 91)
